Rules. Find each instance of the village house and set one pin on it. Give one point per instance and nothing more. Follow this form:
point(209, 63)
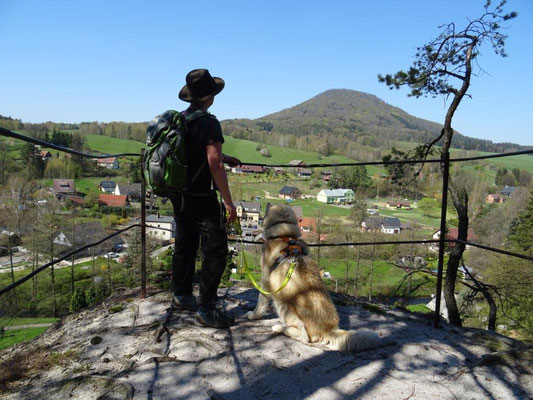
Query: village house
point(494, 198)
point(76, 201)
point(248, 169)
point(388, 225)
point(131, 190)
point(307, 224)
point(108, 186)
point(109, 162)
point(336, 196)
point(78, 235)
point(111, 200)
point(289, 192)
point(453, 234)
point(44, 155)
point(296, 163)
point(326, 175)
point(63, 188)
point(248, 212)
point(167, 234)
point(508, 191)
point(399, 204)
point(303, 172)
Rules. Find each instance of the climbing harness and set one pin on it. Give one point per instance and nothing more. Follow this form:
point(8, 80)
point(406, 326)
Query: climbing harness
point(292, 250)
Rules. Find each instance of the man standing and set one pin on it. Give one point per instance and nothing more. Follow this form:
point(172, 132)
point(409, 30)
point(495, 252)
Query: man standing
point(199, 217)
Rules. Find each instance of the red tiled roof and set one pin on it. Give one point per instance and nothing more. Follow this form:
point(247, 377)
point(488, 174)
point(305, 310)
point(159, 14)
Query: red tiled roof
point(454, 232)
point(64, 186)
point(252, 168)
point(76, 200)
point(109, 160)
point(309, 223)
point(111, 200)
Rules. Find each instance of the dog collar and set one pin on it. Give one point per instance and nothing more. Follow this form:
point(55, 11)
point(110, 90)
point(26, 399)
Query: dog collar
point(293, 248)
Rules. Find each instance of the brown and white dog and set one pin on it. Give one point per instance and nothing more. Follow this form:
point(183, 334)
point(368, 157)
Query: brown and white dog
point(305, 309)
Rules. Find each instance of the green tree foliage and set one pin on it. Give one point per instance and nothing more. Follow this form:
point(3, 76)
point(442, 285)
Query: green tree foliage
point(134, 172)
point(355, 178)
point(507, 178)
point(358, 211)
point(90, 295)
point(78, 300)
point(428, 207)
point(61, 138)
point(32, 160)
point(62, 168)
point(521, 234)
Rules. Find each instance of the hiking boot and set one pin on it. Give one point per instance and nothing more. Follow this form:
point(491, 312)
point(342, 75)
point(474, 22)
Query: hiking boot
point(184, 302)
point(214, 317)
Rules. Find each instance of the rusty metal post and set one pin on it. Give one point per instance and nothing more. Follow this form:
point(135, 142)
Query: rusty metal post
point(143, 230)
point(442, 238)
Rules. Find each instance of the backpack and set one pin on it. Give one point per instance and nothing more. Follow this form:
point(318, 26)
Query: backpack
point(165, 158)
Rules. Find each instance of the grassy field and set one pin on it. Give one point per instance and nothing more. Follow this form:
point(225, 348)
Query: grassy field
point(246, 151)
point(385, 280)
point(10, 338)
point(524, 162)
point(82, 276)
point(6, 321)
point(109, 145)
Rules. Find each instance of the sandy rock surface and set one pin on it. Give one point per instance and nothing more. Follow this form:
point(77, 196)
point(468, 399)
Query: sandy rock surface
point(109, 352)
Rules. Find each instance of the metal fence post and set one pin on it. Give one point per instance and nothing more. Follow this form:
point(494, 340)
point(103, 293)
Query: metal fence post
point(143, 230)
point(442, 237)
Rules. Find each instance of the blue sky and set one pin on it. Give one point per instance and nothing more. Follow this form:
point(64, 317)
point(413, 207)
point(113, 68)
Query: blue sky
point(78, 61)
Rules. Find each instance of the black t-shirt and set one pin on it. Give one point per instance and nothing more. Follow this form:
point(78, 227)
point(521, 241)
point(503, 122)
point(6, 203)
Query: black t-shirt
point(202, 131)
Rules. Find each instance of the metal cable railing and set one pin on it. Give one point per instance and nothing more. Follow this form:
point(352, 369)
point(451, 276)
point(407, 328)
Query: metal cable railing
point(445, 161)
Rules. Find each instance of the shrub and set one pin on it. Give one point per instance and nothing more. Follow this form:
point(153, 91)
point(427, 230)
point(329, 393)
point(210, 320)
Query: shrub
point(265, 152)
point(78, 300)
point(90, 295)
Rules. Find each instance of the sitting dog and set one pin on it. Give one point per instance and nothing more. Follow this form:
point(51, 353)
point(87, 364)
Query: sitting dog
point(305, 309)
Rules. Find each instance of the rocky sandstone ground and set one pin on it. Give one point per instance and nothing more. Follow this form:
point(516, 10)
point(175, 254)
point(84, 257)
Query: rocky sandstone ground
point(109, 352)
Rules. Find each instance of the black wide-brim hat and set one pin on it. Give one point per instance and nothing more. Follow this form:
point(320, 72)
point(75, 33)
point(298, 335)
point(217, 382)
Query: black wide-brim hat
point(200, 86)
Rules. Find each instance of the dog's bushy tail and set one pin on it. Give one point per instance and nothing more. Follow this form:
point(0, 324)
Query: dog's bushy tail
point(353, 341)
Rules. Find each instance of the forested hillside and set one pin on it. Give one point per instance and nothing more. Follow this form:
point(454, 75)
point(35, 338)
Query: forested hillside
point(348, 122)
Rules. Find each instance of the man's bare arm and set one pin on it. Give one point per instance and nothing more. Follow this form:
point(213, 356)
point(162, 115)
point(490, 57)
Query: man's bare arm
point(215, 160)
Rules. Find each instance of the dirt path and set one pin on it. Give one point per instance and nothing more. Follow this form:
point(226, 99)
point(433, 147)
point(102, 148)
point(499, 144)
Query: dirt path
point(14, 327)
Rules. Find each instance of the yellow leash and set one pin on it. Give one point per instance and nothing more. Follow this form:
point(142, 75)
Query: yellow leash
point(244, 264)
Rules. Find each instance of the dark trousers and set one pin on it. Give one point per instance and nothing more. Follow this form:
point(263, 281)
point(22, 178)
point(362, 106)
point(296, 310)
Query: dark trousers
point(198, 221)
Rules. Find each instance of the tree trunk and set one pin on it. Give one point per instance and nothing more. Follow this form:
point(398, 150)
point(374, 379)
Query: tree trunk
point(460, 201)
point(371, 274)
point(346, 277)
point(72, 276)
point(356, 273)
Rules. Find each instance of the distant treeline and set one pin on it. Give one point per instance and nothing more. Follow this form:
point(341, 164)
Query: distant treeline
point(121, 130)
point(360, 140)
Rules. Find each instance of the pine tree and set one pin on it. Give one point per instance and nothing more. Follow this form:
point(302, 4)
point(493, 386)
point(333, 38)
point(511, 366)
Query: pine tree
point(521, 234)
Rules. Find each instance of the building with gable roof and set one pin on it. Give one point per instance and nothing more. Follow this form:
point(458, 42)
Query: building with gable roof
point(249, 212)
point(336, 196)
point(389, 225)
point(108, 186)
point(112, 200)
point(109, 162)
point(167, 234)
point(131, 190)
point(289, 192)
